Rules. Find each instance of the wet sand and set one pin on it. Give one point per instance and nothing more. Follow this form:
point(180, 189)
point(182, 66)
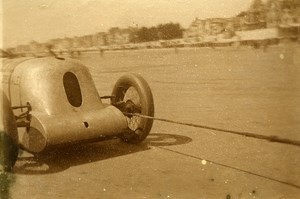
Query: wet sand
point(239, 89)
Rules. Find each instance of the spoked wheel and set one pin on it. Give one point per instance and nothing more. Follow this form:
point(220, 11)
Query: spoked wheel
point(8, 136)
point(132, 95)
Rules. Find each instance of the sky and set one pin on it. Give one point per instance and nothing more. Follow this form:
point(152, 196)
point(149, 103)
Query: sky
point(41, 20)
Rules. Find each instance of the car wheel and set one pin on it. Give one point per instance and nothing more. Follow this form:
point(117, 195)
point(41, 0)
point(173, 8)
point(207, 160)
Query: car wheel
point(132, 95)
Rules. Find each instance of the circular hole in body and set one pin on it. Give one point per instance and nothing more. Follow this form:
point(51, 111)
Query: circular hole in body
point(86, 124)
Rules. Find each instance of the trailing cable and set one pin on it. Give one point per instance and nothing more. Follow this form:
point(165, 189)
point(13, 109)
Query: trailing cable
point(246, 134)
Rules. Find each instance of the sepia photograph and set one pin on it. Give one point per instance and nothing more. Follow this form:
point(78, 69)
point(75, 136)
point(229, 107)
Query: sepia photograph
point(151, 99)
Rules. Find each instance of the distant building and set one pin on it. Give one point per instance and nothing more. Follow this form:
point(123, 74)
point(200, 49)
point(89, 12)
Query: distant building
point(272, 17)
point(283, 13)
point(253, 19)
point(286, 17)
point(100, 39)
point(195, 31)
point(118, 36)
point(34, 46)
point(216, 26)
point(200, 29)
point(22, 48)
point(289, 26)
point(87, 41)
point(60, 43)
point(76, 43)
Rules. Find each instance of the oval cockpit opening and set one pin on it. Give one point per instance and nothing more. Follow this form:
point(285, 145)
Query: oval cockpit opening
point(72, 89)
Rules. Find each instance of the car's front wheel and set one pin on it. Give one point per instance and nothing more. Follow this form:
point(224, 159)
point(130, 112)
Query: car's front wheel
point(133, 96)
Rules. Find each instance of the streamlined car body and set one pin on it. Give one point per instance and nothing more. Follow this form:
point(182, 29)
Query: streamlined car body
point(53, 101)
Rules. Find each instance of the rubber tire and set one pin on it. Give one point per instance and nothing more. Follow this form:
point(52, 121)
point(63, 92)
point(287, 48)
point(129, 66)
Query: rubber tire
point(147, 105)
point(8, 136)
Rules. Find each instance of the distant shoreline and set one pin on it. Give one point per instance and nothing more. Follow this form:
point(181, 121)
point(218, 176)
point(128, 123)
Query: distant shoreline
point(192, 48)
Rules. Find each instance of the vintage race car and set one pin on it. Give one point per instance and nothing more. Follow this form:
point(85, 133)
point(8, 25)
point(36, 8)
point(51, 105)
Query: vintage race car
point(52, 101)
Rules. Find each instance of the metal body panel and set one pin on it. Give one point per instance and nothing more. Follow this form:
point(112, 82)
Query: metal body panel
point(49, 130)
point(41, 84)
point(7, 68)
point(54, 120)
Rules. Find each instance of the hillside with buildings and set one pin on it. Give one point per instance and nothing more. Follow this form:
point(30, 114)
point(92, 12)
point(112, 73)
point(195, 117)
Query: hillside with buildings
point(274, 19)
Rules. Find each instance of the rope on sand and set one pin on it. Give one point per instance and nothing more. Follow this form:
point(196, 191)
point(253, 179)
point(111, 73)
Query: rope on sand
point(246, 134)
